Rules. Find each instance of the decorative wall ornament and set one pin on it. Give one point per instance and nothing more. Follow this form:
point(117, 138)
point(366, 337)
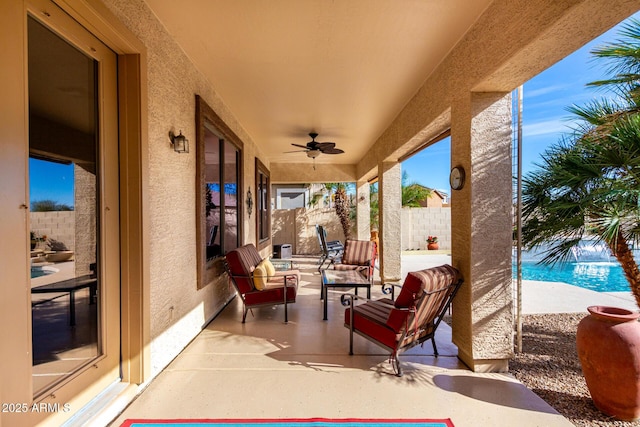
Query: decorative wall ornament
point(249, 202)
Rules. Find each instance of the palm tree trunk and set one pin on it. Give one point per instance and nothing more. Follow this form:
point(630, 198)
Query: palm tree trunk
point(624, 255)
point(342, 210)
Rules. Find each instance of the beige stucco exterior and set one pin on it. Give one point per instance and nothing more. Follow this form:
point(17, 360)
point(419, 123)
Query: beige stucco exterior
point(161, 306)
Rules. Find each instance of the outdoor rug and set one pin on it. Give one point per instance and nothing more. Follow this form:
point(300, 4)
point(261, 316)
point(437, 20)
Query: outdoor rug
point(291, 422)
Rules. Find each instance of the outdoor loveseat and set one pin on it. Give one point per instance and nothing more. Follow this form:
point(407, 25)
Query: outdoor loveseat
point(257, 281)
point(408, 321)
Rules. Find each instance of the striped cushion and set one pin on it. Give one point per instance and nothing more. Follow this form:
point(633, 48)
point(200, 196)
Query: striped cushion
point(242, 261)
point(358, 252)
point(426, 280)
point(371, 319)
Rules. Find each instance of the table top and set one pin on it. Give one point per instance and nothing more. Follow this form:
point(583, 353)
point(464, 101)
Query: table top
point(66, 285)
point(282, 264)
point(343, 277)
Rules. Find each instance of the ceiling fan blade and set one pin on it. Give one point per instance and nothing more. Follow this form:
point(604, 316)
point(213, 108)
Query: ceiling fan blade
point(301, 146)
point(332, 151)
point(325, 145)
point(295, 151)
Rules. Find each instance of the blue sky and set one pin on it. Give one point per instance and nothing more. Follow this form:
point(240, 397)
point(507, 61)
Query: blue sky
point(51, 181)
point(544, 115)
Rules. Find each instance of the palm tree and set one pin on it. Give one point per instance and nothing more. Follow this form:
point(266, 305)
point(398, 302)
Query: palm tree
point(588, 184)
point(413, 193)
point(342, 205)
point(374, 206)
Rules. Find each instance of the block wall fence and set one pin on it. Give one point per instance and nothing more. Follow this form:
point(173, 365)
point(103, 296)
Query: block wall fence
point(58, 225)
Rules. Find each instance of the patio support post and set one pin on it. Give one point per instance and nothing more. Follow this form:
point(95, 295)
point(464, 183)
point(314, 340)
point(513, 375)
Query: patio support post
point(390, 206)
point(482, 230)
point(363, 209)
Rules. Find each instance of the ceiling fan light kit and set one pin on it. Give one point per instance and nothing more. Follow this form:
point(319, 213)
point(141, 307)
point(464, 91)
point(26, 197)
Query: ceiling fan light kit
point(313, 153)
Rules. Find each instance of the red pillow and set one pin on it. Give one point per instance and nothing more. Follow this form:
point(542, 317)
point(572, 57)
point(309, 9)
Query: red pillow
point(427, 280)
point(411, 290)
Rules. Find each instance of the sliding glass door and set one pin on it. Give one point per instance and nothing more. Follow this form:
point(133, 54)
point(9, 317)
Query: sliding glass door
point(73, 206)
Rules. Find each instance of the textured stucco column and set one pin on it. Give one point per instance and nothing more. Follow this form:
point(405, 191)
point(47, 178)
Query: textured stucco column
point(390, 206)
point(481, 225)
point(363, 210)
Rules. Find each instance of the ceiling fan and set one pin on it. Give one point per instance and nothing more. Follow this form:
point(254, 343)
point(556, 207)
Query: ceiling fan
point(315, 148)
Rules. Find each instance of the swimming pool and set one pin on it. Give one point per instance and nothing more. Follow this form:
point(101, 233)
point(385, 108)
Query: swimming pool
point(39, 271)
point(592, 267)
point(600, 276)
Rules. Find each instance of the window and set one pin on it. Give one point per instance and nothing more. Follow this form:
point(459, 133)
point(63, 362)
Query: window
point(219, 188)
point(263, 205)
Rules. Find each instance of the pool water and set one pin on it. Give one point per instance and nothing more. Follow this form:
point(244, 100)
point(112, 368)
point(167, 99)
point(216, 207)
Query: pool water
point(39, 272)
point(600, 276)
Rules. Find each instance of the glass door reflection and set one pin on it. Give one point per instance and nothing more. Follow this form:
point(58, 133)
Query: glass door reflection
point(63, 175)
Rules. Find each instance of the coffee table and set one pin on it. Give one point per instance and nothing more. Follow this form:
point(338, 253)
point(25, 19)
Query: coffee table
point(342, 279)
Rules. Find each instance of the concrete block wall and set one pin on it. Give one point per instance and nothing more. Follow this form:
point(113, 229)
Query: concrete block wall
point(58, 225)
point(418, 223)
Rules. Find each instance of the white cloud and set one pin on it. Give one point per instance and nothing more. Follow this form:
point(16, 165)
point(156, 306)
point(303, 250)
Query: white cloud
point(546, 127)
point(545, 90)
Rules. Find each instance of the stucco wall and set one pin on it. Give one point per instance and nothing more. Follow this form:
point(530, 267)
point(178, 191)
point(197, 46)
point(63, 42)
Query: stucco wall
point(178, 310)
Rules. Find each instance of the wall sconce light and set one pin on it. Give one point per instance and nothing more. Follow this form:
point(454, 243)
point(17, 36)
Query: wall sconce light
point(180, 142)
point(249, 202)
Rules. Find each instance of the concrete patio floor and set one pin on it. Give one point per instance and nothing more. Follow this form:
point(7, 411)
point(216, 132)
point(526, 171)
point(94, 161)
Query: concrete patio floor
point(267, 369)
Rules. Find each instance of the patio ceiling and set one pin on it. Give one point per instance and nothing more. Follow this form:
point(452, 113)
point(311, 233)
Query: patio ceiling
point(344, 69)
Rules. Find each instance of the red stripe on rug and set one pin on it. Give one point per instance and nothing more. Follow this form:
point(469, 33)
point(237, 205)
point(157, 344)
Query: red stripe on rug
point(446, 421)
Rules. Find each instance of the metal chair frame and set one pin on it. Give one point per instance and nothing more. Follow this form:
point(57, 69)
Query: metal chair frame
point(330, 250)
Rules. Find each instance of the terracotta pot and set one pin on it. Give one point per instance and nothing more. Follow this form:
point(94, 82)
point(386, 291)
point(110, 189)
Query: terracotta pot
point(608, 343)
point(433, 246)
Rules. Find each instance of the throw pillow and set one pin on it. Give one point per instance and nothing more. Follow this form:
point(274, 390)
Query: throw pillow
point(259, 277)
point(411, 290)
point(268, 265)
point(427, 280)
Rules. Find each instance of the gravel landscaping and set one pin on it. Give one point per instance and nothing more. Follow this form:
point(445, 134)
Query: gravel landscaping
point(549, 367)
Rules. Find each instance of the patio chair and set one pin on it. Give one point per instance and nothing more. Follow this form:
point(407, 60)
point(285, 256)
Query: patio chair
point(408, 321)
point(359, 255)
point(257, 282)
point(330, 250)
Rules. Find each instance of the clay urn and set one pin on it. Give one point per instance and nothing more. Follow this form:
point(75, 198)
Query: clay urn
point(608, 342)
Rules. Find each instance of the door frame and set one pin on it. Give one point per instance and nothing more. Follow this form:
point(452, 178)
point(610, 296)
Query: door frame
point(134, 180)
point(133, 175)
